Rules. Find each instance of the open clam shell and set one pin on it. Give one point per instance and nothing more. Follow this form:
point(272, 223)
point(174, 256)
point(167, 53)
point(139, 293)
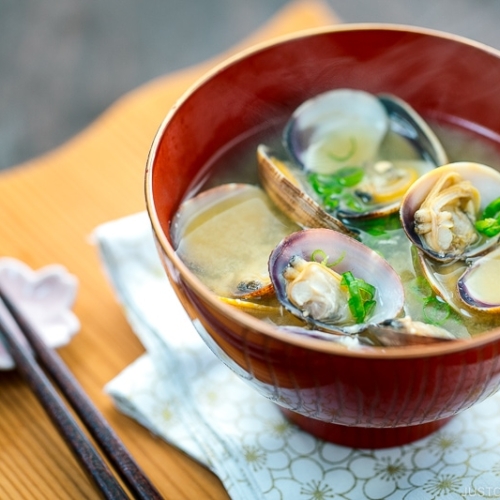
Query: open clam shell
point(478, 286)
point(336, 129)
point(353, 256)
point(287, 193)
point(441, 205)
point(380, 136)
point(442, 278)
point(406, 122)
point(225, 236)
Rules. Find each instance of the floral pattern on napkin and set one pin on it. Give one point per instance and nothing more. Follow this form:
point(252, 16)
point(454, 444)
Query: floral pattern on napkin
point(183, 393)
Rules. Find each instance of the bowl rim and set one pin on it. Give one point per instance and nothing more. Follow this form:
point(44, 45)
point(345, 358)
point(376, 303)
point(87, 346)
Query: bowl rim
point(255, 324)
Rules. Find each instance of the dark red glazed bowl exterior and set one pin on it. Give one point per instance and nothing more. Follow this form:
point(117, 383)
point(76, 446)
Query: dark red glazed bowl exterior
point(377, 398)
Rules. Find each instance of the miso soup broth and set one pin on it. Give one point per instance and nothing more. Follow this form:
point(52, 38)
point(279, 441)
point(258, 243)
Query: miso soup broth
point(237, 163)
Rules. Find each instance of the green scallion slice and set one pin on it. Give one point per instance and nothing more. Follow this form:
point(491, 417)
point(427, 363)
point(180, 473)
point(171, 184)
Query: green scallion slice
point(489, 223)
point(361, 296)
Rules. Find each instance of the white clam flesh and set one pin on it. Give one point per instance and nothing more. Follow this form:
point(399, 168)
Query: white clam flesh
point(316, 290)
point(445, 220)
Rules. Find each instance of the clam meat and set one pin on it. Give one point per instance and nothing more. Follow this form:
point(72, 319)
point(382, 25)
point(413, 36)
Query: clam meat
point(442, 214)
point(317, 291)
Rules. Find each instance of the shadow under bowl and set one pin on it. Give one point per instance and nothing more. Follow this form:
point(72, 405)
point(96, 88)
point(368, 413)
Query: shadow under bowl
point(362, 398)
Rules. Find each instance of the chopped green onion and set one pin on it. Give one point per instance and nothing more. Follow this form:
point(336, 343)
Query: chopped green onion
point(380, 226)
point(366, 288)
point(361, 296)
point(352, 202)
point(436, 311)
point(335, 182)
point(330, 188)
point(331, 204)
point(369, 306)
point(421, 287)
point(377, 230)
point(357, 308)
point(492, 210)
point(489, 223)
point(324, 185)
point(322, 255)
point(347, 278)
point(489, 226)
point(350, 176)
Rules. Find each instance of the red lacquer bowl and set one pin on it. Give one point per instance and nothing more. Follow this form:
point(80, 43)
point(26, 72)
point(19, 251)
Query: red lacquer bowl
point(384, 397)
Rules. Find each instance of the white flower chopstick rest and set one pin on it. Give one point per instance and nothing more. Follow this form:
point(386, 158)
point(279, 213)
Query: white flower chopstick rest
point(45, 297)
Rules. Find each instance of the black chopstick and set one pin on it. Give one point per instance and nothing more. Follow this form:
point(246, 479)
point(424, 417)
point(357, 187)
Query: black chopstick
point(125, 466)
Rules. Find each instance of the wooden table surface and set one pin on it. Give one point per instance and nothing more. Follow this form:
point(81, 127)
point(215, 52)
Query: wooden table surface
point(49, 208)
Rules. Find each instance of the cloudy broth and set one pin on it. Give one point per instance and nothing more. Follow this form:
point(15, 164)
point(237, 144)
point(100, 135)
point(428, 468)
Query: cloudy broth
point(238, 164)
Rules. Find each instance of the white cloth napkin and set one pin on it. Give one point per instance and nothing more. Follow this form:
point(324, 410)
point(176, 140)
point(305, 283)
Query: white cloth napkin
point(183, 393)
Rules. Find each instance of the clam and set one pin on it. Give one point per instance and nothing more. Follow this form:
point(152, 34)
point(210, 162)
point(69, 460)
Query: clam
point(439, 211)
point(334, 282)
point(225, 236)
point(469, 286)
point(287, 193)
point(336, 129)
point(442, 278)
point(478, 285)
point(355, 155)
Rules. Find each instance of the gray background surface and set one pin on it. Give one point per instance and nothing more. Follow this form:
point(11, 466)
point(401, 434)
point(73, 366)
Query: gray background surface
point(63, 62)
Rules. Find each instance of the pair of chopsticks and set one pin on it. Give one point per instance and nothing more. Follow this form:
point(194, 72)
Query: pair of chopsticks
point(14, 328)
